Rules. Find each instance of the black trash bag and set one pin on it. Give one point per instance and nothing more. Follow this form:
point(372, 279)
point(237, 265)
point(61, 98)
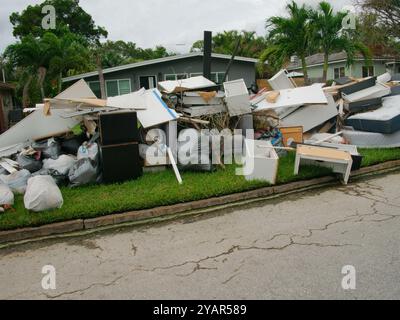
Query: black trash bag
point(71, 145)
point(50, 149)
point(83, 172)
point(29, 163)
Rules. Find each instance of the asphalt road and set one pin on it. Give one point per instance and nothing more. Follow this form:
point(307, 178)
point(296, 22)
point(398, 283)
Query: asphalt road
point(291, 248)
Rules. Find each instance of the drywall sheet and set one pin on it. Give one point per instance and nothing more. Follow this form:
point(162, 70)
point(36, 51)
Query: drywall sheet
point(383, 120)
point(294, 98)
point(281, 81)
point(135, 100)
point(377, 91)
point(372, 139)
point(38, 125)
point(194, 83)
point(157, 111)
point(237, 97)
point(79, 89)
point(311, 116)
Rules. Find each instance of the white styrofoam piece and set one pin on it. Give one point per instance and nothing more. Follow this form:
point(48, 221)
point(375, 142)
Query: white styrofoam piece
point(390, 109)
point(193, 83)
point(311, 116)
point(134, 100)
point(261, 161)
point(294, 98)
point(237, 97)
point(281, 81)
point(157, 111)
point(377, 91)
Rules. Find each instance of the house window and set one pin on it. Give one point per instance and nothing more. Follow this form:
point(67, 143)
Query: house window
point(113, 87)
point(339, 72)
point(95, 86)
point(216, 77)
point(176, 76)
point(368, 71)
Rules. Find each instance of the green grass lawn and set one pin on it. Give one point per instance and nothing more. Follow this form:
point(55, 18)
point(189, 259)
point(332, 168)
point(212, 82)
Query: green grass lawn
point(158, 189)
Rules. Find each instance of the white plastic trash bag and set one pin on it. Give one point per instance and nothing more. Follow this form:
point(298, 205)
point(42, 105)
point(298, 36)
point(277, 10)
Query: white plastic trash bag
point(6, 195)
point(90, 151)
point(16, 181)
point(62, 165)
point(42, 194)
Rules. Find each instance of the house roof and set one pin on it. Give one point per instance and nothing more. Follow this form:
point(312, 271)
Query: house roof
point(155, 61)
point(318, 59)
point(7, 86)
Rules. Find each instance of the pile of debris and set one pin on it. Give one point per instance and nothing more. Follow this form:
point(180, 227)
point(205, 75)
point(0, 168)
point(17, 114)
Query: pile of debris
point(76, 139)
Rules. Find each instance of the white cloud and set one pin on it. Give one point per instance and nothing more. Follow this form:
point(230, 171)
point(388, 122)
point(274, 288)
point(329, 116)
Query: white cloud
point(168, 23)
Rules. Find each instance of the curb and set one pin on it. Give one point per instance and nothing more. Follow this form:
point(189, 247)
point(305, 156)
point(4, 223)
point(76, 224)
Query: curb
point(159, 212)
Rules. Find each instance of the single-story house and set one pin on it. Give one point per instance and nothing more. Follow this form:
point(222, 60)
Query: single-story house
point(7, 91)
point(146, 74)
point(338, 66)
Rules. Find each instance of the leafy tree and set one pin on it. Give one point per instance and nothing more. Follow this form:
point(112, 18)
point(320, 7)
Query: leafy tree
point(289, 36)
point(251, 45)
point(70, 17)
point(386, 12)
point(329, 37)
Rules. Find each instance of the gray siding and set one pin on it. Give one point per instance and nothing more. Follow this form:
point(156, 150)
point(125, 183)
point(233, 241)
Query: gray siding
point(239, 70)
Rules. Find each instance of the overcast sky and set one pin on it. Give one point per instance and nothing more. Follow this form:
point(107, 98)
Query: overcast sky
point(175, 24)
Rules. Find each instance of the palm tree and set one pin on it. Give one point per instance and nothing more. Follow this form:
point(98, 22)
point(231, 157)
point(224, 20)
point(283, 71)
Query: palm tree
point(289, 36)
point(329, 37)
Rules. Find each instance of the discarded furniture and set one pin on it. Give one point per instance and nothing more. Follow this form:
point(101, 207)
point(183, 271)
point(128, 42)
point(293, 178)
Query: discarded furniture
point(120, 162)
point(291, 134)
point(190, 84)
point(383, 120)
point(202, 98)
point(119, 147)
point(118, 127)
point(281, 81)
point(339, 161)
point(364, 105)
point(358, 86)
point(355, 155)
point(237, 97)
point(377, 91)
point(261, 161)
point(372, 139)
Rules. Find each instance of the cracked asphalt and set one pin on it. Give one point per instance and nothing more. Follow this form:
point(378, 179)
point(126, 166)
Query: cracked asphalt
point(293, 247)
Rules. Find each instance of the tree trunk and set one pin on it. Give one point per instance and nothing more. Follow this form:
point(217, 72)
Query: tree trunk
point(59, 83)
point(101, 77)
point(304, 67)
point(325, 70)
point(25, 92)
point(41, 76)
